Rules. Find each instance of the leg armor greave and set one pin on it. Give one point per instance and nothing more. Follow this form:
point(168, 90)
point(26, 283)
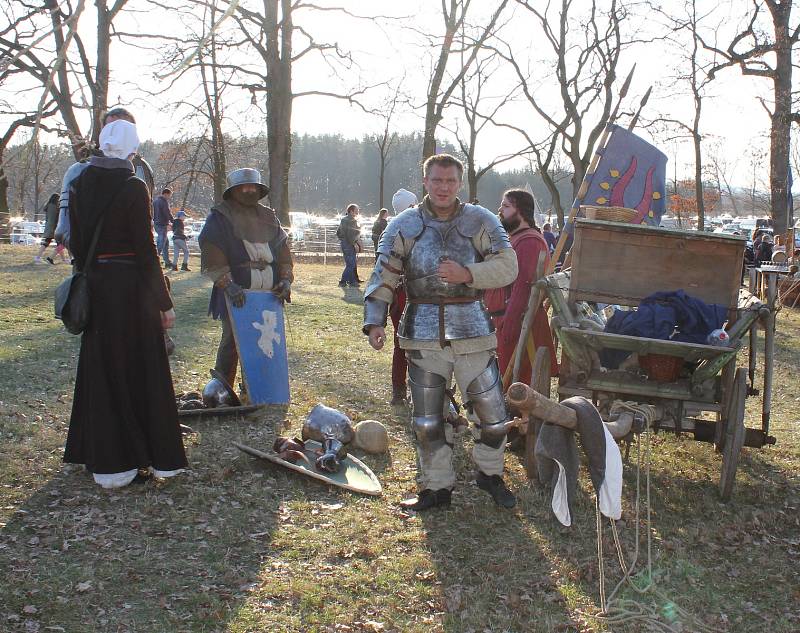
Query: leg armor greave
point(427, 406)
point(485, 395)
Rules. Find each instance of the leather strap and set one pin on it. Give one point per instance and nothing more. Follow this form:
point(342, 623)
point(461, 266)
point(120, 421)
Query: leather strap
point(443, 301)
point(258, 264)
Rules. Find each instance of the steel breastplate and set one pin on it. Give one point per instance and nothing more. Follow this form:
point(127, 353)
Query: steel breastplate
point(428, 314)
point(437, 242)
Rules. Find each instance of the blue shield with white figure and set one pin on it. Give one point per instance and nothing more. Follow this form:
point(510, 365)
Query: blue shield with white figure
point(260, 335)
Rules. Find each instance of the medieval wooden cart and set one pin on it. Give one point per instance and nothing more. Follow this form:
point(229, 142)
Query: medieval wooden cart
point(615, 264)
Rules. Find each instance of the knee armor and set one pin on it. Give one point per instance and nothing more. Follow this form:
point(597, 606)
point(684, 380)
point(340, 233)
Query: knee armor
point(427, 406)
point(485, 395)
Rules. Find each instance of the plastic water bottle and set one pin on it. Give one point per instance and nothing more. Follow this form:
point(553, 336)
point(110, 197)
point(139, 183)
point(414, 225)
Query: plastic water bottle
point(718, 338)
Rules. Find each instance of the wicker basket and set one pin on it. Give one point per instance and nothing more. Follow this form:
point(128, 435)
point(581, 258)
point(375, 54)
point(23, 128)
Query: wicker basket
point(610, 214)
point(661, 367)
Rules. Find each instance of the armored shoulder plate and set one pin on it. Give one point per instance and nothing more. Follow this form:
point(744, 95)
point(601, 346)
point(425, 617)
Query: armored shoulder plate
point(474, 218)
point(408, 224)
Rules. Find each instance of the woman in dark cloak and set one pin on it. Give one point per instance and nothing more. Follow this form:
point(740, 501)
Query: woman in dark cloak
point(124, 417)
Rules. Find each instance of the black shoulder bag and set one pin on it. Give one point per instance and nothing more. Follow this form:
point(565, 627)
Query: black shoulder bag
point(72, 302)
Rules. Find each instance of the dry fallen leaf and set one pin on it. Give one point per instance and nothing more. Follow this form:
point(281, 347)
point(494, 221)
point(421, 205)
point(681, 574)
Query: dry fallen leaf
point(83, 587)
point(29, 609)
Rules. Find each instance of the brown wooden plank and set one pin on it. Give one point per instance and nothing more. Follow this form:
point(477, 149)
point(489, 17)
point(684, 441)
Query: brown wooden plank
point(624, 263)
point(689, 351)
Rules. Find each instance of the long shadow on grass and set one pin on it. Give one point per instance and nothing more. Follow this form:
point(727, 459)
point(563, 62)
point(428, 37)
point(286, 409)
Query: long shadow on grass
point(703, 550)
point(181, 556)
point(491, 563)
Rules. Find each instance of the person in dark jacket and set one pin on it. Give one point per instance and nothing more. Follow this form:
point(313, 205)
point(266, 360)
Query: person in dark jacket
point(162, 218)
point(50, 222)
point(242, 245)
point(124, 418)
point(179, 241)
point(349, 235)
point(379, 227)
point(549, 236)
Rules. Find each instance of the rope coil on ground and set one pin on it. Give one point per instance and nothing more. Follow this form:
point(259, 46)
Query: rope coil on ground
point(618, 611)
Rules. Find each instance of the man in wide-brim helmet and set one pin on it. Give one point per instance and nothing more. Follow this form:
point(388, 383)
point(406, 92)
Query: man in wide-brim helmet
point(242, 245)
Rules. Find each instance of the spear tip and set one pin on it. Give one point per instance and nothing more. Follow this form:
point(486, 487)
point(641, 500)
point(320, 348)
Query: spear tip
point(624, 90)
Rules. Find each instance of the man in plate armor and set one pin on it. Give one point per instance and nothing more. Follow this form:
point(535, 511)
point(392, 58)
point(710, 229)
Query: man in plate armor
point(447, 252)
point(242, 245)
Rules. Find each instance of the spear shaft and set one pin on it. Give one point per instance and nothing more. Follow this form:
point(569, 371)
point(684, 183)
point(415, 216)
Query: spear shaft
point(514, 363)
point(562, 239)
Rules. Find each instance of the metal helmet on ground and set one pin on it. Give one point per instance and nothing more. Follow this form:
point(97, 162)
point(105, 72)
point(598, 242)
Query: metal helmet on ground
point(245, 176)
point(218, 393)
point(333, 430)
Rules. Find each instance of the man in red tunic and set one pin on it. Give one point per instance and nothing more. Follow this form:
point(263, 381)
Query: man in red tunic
point(508, 305)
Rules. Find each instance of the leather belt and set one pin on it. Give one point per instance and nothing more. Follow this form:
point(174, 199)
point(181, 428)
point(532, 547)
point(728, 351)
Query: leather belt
point(443, 301)
point(116, 258)
point(258, 264)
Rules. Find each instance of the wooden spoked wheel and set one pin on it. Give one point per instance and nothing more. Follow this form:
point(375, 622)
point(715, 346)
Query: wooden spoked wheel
point(540, 381)
point(734, 432)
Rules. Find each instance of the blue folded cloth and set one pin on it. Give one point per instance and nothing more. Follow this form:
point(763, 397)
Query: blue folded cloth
point(673, 316)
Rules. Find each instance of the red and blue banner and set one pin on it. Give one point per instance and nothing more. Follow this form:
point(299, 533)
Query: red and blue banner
point(631, 173)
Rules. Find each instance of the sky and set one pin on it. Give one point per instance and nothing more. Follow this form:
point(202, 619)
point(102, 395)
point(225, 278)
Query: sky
point(389, 49)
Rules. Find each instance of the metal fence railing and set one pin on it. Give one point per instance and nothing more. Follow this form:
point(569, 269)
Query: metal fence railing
point(318, 241)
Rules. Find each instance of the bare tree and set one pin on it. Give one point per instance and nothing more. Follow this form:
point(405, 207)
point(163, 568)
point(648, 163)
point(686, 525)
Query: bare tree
point(749, 50)
point(271, 35)
point(198, 53)
point(53, 66)
point(23, 120)
point(384, 140)
point(440, 87)
point(472, 96)
point(585, 54)
point(696, 77)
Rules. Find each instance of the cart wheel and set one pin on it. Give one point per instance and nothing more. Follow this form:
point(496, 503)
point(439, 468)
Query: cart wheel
point(540, 381)
point(734, 434)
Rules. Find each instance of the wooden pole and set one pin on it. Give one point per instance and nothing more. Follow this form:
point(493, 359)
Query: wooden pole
point(534, 301)
point(531, 403)
point(769, 349)
point(562, 239)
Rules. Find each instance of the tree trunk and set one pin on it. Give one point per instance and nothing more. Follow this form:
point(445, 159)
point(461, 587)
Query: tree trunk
point(5, 212)
point(100, 88)
point(555, 196)
point(472, 180)
point(382, 179)
point(780, 133)
point(698, 182)
point(214, 109)
point(60, 90)
point(781, 117)
point(279, 103)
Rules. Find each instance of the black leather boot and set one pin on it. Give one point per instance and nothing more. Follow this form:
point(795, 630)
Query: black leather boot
point(495, 486)
point(427, 499)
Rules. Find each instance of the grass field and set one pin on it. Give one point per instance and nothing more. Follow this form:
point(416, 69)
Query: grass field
point(238, 545)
